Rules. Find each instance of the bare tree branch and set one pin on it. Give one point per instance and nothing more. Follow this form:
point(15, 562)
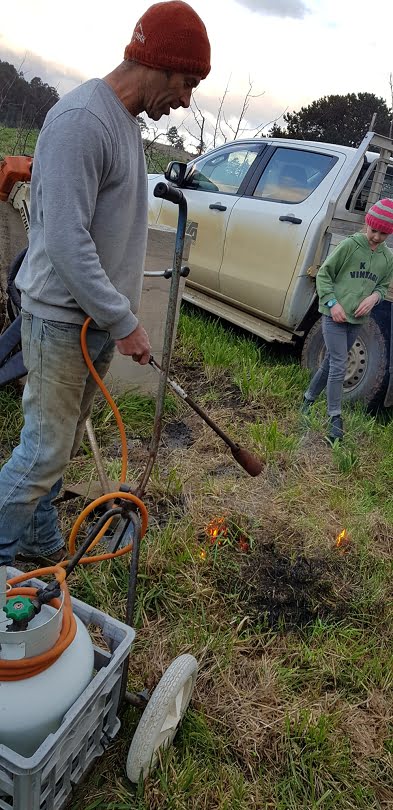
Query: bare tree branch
point(226, 127)
point(228, 124)
point(200, 124)
point(391, 107)
point(222, 132)
point(191, 134)
point(269, 123)
point(218, 118)
point(246, 103)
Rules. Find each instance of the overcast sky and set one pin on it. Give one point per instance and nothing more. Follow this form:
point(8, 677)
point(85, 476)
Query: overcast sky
point(294, 51)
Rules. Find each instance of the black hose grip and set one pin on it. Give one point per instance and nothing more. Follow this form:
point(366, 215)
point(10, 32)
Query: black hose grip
point(169, 193)
point(184, 272)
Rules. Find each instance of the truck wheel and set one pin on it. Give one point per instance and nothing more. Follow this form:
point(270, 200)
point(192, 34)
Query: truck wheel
point(162, 716)
point(367, 370)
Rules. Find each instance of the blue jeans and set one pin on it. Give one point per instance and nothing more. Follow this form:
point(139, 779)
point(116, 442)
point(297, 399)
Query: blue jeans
point(57, 400)
point(339, 338)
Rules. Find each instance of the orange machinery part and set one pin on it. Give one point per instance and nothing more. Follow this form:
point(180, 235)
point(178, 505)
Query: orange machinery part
point(13, 169)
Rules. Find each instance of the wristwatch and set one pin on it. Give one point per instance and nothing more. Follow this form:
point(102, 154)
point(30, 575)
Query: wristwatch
point(332, 302)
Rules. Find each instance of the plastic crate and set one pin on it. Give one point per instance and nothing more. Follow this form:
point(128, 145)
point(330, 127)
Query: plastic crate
point(45, 780)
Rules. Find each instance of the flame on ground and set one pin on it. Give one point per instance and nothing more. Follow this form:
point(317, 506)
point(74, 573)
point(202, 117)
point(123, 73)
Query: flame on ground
point(342, 541)
point(219, 534)
point(216, 530)
point(243, 545)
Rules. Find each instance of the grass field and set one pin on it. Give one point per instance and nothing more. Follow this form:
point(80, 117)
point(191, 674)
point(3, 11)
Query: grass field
point(17, 141)
point(292, 630)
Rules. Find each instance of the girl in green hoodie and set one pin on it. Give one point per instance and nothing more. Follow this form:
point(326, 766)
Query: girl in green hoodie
point(352, 280)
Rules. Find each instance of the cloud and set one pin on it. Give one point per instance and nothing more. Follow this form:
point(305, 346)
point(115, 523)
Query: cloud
point(30, 64)
point(277, 8)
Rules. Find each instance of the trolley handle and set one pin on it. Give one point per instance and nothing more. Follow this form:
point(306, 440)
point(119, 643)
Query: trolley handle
point(169, 193)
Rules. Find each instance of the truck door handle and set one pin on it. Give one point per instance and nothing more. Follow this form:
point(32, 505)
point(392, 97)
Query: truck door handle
point(217, 207)
point(291, 218)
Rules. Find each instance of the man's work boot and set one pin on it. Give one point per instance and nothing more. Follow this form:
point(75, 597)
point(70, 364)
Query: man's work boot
point(336, 430)
point(40, 559)
point(306, 405)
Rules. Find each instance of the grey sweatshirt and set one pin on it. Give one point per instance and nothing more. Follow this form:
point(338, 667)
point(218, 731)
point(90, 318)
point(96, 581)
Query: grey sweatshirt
point(88, 210)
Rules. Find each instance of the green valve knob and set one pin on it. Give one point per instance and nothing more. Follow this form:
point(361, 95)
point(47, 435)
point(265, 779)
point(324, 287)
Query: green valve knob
point(19, 609)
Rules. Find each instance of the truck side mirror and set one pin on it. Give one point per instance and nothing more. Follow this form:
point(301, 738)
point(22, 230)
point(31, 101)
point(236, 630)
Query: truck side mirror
point(175, 172)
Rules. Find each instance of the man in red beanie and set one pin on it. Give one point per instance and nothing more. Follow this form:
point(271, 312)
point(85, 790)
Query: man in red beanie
point(170, 37)
point(87, 243)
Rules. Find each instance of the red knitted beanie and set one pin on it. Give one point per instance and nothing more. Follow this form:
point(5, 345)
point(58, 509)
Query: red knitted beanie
point(171, 36)
point(380, 216)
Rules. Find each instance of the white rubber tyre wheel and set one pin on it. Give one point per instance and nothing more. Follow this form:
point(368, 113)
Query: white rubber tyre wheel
point(162, 716)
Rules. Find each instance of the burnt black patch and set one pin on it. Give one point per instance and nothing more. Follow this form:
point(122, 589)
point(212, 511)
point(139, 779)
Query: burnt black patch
point(292, 591)
point(164, 510)
point(178, 435)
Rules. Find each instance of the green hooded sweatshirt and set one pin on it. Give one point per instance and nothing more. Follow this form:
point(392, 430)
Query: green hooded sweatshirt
point(352, 272)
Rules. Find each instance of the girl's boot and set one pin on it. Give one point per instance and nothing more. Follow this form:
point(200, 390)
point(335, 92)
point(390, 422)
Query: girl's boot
point(336, 430)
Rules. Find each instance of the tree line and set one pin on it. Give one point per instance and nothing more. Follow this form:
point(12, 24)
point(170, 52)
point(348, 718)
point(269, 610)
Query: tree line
point(337, 119)
point(23, 103)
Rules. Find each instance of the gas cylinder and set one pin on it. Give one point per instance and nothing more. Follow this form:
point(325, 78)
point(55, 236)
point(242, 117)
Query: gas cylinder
point(33, 708)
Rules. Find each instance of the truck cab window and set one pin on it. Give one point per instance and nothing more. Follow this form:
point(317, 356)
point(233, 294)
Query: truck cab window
point(223, 172)
point(292, 175)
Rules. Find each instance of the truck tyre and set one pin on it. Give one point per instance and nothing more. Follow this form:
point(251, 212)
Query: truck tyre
point(367, 370)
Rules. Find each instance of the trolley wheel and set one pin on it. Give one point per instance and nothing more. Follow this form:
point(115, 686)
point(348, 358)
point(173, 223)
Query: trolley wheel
point(162, 716)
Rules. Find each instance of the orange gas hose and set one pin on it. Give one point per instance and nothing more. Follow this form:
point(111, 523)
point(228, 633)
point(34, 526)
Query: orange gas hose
point(27, 667)
point(112, 495)
point(108, 398)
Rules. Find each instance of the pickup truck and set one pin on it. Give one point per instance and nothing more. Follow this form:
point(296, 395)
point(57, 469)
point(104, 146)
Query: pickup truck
point(263, 215)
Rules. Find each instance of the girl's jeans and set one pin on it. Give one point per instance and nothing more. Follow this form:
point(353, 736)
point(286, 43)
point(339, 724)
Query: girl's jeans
point(339, 338)
point(57, 400)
